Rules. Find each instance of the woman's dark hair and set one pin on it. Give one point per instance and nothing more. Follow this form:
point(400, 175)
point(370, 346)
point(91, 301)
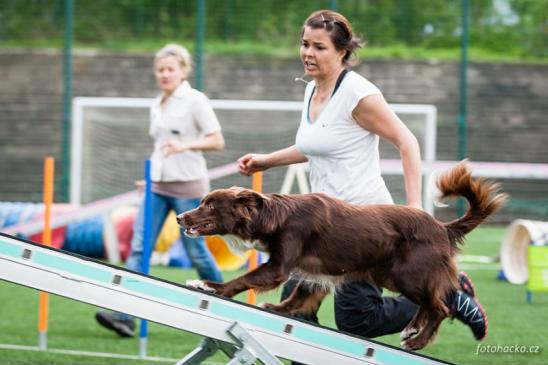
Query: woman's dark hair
point(339, 29)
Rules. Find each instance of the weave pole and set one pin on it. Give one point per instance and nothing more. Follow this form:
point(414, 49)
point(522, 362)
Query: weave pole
point(256, 185)
point(147, 249)
point(43, 308)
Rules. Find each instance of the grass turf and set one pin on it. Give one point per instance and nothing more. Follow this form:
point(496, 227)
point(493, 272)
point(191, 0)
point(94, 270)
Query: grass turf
point(72, 325)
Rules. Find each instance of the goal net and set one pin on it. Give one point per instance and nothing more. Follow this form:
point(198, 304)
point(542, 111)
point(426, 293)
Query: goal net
point(110, 142)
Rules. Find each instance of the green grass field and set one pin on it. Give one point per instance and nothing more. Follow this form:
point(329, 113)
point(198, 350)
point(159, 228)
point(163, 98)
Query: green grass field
point(72, 325)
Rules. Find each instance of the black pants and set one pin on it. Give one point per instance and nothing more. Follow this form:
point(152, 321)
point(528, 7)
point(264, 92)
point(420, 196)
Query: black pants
point(361, 309)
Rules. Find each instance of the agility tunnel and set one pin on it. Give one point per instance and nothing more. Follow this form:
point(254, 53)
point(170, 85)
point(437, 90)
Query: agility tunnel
point(14, 213)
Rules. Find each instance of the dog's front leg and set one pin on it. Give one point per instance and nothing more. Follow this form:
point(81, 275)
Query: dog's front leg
point(265, 277)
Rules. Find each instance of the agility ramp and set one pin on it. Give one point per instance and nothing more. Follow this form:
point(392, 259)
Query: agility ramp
point(245, 333)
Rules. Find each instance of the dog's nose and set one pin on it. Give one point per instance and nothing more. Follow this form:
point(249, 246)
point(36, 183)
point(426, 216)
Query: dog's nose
point(181, 219)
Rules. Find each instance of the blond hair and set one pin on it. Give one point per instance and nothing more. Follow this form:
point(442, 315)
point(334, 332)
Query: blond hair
point(180, 53)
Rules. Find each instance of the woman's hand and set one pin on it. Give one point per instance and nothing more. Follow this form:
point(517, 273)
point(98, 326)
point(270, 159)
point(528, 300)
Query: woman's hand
point(252, 162)
point(140, 185)
point(172, 146)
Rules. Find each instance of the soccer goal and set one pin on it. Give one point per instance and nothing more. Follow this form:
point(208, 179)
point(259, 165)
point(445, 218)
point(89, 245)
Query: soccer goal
point(110, 142)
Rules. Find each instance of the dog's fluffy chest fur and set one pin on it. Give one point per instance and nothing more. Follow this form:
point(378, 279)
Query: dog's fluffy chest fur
point(239, 246)
point(323, 281)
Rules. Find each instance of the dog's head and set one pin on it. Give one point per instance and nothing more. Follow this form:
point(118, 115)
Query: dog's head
point(224, 211)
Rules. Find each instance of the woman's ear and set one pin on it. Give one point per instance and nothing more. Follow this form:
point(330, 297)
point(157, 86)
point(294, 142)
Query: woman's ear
point(341, 55)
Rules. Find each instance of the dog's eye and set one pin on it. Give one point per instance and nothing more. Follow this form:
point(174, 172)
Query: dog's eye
point(209, 206)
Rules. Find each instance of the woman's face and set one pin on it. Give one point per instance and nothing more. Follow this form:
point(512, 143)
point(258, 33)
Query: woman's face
point(168, 73)
point(318, 53)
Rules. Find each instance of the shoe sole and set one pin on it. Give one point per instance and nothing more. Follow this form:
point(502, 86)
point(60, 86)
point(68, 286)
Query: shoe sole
point(484, 314)
point(121, 329)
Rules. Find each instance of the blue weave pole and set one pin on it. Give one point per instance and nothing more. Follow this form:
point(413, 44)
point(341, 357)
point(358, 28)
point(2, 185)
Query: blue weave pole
point(147, 248)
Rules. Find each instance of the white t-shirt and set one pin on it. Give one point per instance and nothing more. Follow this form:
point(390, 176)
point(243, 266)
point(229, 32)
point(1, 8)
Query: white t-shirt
point(187, 116)
point(343, 156)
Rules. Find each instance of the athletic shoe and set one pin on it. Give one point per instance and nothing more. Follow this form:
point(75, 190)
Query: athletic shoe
point(120, 323)
point(466, 284)
point(469, 311)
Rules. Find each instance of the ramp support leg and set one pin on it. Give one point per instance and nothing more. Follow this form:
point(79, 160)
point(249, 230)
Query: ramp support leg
point(245, 352)
point(205, 349)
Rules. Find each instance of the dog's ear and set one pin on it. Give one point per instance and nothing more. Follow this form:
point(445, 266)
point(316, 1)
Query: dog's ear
point(255, 212)
point(250, 198)
point(206, 197)
point(244, 207)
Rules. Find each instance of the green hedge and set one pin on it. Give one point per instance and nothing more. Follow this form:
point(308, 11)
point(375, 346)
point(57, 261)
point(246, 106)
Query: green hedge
point(505, 27)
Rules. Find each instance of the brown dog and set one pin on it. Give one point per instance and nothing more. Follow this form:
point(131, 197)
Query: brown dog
point(321, 238)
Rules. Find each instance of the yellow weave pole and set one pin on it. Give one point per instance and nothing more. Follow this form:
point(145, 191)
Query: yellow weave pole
point(43, 309)
point(256, 185)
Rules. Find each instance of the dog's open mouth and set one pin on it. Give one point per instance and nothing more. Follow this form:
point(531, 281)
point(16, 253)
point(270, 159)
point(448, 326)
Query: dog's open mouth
point(199, 229)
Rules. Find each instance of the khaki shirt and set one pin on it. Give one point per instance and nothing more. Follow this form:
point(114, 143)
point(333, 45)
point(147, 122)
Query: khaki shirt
point(187, 116)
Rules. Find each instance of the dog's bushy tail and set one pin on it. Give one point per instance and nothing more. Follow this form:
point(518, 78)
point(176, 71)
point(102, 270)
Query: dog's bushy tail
point(484, 197)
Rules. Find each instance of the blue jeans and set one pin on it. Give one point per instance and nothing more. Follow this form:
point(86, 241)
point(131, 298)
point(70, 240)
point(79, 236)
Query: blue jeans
point(196, 248)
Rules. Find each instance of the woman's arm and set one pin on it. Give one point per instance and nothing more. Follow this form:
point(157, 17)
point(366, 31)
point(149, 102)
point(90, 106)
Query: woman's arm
point(374, 114)
point(212, 141)
point(253, 162)
point(206, 121)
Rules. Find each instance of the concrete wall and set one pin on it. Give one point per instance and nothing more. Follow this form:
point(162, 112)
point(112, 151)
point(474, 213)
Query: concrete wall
point(506, 112)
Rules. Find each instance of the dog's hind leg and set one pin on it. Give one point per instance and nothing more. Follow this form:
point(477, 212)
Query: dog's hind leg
point(304, 299)
point(414, 327)
point(428, 292)
point(432, 310)
point(428, 332)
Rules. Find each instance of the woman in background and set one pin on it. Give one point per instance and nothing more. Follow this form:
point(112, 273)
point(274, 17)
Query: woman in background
point(182, 124)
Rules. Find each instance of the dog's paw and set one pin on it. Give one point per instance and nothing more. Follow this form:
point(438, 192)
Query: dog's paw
point(275, 307)
point(408, 333)
point(403, 346)
point(268, 306)
point(199, 284)
point(412, 344)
